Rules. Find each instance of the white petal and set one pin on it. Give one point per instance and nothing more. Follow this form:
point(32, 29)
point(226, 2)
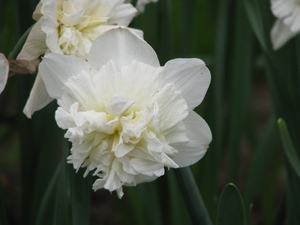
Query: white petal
point(172, 107)
point(146, 167)
point(38, 97)
point(81, 89)
point(121, 46)
point(90, 6)
point(119, 105)
point(102, 29)
point(282, 8)
point(199, 135)
point(140, 83)
point(123, 15)
point(35, 44)
point(64, 119)
point(56, 69)
point(176, 134)
point(190, 76)
point(112, 182)
point(141, 178)
point(50, 25)
point(4, 69)
point(280, 34)
point(37, 14)
point(293, 20)
point(122, 149)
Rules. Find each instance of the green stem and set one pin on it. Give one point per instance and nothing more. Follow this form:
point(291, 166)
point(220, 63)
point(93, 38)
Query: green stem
point(192, 196)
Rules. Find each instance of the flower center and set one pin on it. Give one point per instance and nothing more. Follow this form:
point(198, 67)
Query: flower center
point(76, 31)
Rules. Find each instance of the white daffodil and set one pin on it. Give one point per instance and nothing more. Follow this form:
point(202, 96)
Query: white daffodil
point(4, 69)
point(126, 116)
point(141, 4)
point(69, 27)
point(288, 23)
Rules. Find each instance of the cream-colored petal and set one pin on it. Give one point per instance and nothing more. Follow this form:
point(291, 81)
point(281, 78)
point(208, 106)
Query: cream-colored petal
point(121, 46)
point(123, 15)
point(92, 34)
point(172, 107)
point(37, 14)
point(38, 97)
point(140, 84)
point(280, 34)
point(49, 24)
point(4, 69)
point(190, 76)
point(199, 135)
point(293, 20)
point(282, 8)
point(35, 45)
point(56, 69)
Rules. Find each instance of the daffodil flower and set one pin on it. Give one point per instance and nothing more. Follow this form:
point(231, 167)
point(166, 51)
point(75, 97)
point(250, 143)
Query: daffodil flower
point(69, 27)
point(127, 117)
point(288, 23)
point(4, 69)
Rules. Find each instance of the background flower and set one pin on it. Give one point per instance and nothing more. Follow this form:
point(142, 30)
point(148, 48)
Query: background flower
point(288, 23)
point(69, 27)
point(126, 116)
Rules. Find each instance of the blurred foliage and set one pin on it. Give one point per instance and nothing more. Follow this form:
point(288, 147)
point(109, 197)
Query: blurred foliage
point(252, 86)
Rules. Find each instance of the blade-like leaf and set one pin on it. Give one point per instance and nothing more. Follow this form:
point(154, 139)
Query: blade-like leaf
point(80, 197)
point(46, 208)
point(266, 145)
point(231, 207)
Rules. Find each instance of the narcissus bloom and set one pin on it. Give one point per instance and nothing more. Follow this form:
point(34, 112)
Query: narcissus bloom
point(288, 23)
point(69, 27)
point(127, 117)
point(4, 69)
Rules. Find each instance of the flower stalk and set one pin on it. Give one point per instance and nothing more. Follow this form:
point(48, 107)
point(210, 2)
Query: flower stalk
point(192, 196)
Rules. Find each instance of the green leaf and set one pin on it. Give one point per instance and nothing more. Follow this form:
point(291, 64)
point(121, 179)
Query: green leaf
point(293, 175)
point(46, 207)
point(81, 189)
point(178, 214)
point(241, 73)
point(210, 164)
point(262, 154)
point(231, 207)
point(289, 149)
point(149, 199)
